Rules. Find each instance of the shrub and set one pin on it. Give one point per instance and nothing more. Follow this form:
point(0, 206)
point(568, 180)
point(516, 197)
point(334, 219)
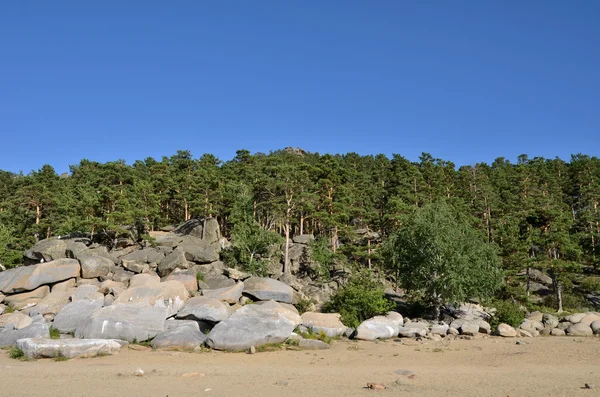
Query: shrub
point(54, 333)
point(16, 353)
point(199, 276)
point(508, 313)
point(304, 305)
point(361, 299)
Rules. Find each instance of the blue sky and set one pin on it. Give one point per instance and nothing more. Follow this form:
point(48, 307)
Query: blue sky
point(467, 81)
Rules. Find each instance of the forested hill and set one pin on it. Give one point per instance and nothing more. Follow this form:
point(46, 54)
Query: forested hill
point(534, 210)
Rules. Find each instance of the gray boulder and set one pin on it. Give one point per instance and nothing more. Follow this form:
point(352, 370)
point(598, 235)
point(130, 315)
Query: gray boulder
point(187, 277)
point(93, 266)
point(229, 294)
point(312, 344)
point(557, 332)
point(202, 308)
point(75, 314)
point(253, 325)
point(124, 321)
point(184, 336)
point(579, 329)
point(147, 255)
point(28, 278)
point(52, 303)
point(219, 282)
point(268, 289)
point(175, 260)
point(380, 327)
point(212, 231)
point(595, 327)
point(550, 321)
point(47, 250)
point(439, 329)
point(70, 348)
point(329, 323)
point(9, 337)
point(169, 294)
point(303, 239)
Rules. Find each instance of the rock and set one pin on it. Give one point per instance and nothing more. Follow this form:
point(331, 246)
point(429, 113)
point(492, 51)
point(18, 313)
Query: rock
point(589, 318)
point(557, 332)
point(111, 287)
point(28, 278)
point(204, 255)
point(93, 266)
point(564, 325)
point(2, 298)
point(14, 320)
point(75, 249)
point(229, 294)
point(379, 327)
point(144, 280)
point(219, 282)
point(312, 344)
point(187, 335)
point(267, 289)
point(109, 300)
point(411, 332)
point(90, 292)
point(579, 329)
point(2, 308)
point(27, 299)
point(575, 318)
point(469, 328)
point(595, 327)
point(75, 314)
point(202, 308)
point(468, 311)
point(303, 239)
point(139, 372)
point(524, 333)
point(135, 266)
point(212, 232)
point(540, 277)
point(124, 321)
point(550, 320)
point(453, 331)
point(186, 277)
point(535, 316)
point(47, 250)
point(33, 330)
point(69, 348)
point(375, 386)
point(147, 255)
point(52, 303)
point(193, 227)
point(175, 260)
point(506, 331)
point(236, 275)
point(253, 325)
point(169, 294)
point(100, 251)
point(329, 323)
point(440, 329)
point(64, 286)
point(252, 350)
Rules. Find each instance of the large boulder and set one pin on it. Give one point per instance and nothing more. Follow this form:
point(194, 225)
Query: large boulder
point(212, 231)
point(47, 250)
point(380, 327)
point(93, 266)
point(8, 337)
point(52, 303)
point(188, 278)
point(595, 327)
point(579, 329)
point(303, 239)
point(413, 329)
point(130, 322)
point(201, 308)
point(175, 260)
point(169, 294)
point(550, 321)
point(147, 255)
point(184, 336)
point(228, 294)
point(329, 323)
point(589, 318)
point(75, 314)
point(69, 348)
point(506, 331)
point(575, 318)
point(254, 325)
point(268, 289)
point(16, 320)
point(27, 299)
point(28, 278)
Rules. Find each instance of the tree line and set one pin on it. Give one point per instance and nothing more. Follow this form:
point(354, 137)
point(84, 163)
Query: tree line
point(539, 213)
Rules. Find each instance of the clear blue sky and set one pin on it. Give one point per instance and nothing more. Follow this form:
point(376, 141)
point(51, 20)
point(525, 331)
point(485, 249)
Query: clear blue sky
point(467, 81)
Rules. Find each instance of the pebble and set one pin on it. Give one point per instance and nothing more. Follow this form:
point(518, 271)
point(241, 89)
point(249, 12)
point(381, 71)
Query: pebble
point(375, 386)
point(139, 372)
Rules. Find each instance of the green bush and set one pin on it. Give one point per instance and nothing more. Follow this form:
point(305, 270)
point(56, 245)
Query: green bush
point(54, 333)
point(304, 305)
point(508, 313)
point(16, 353)
point(361, 299)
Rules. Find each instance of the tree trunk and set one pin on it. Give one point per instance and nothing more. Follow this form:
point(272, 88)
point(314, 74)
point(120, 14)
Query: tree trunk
point(38, 214)
point(301, 224)
point(287, 247)
point(334, 239)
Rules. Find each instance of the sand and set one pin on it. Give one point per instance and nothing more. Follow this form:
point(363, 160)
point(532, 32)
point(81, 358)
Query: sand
point(544, 366)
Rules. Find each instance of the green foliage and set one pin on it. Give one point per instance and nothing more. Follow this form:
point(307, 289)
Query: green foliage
point(16, 353)
point(54, 333)
point(304, 305)
point(321, 253)
point(361, 299)
point(199, 276)
point(269, 347)
point(149, 239)
point(9, 257)
point(60, 357)
point(310, 334)
point(591, 284)
point(439, 256)
point(508, 313)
